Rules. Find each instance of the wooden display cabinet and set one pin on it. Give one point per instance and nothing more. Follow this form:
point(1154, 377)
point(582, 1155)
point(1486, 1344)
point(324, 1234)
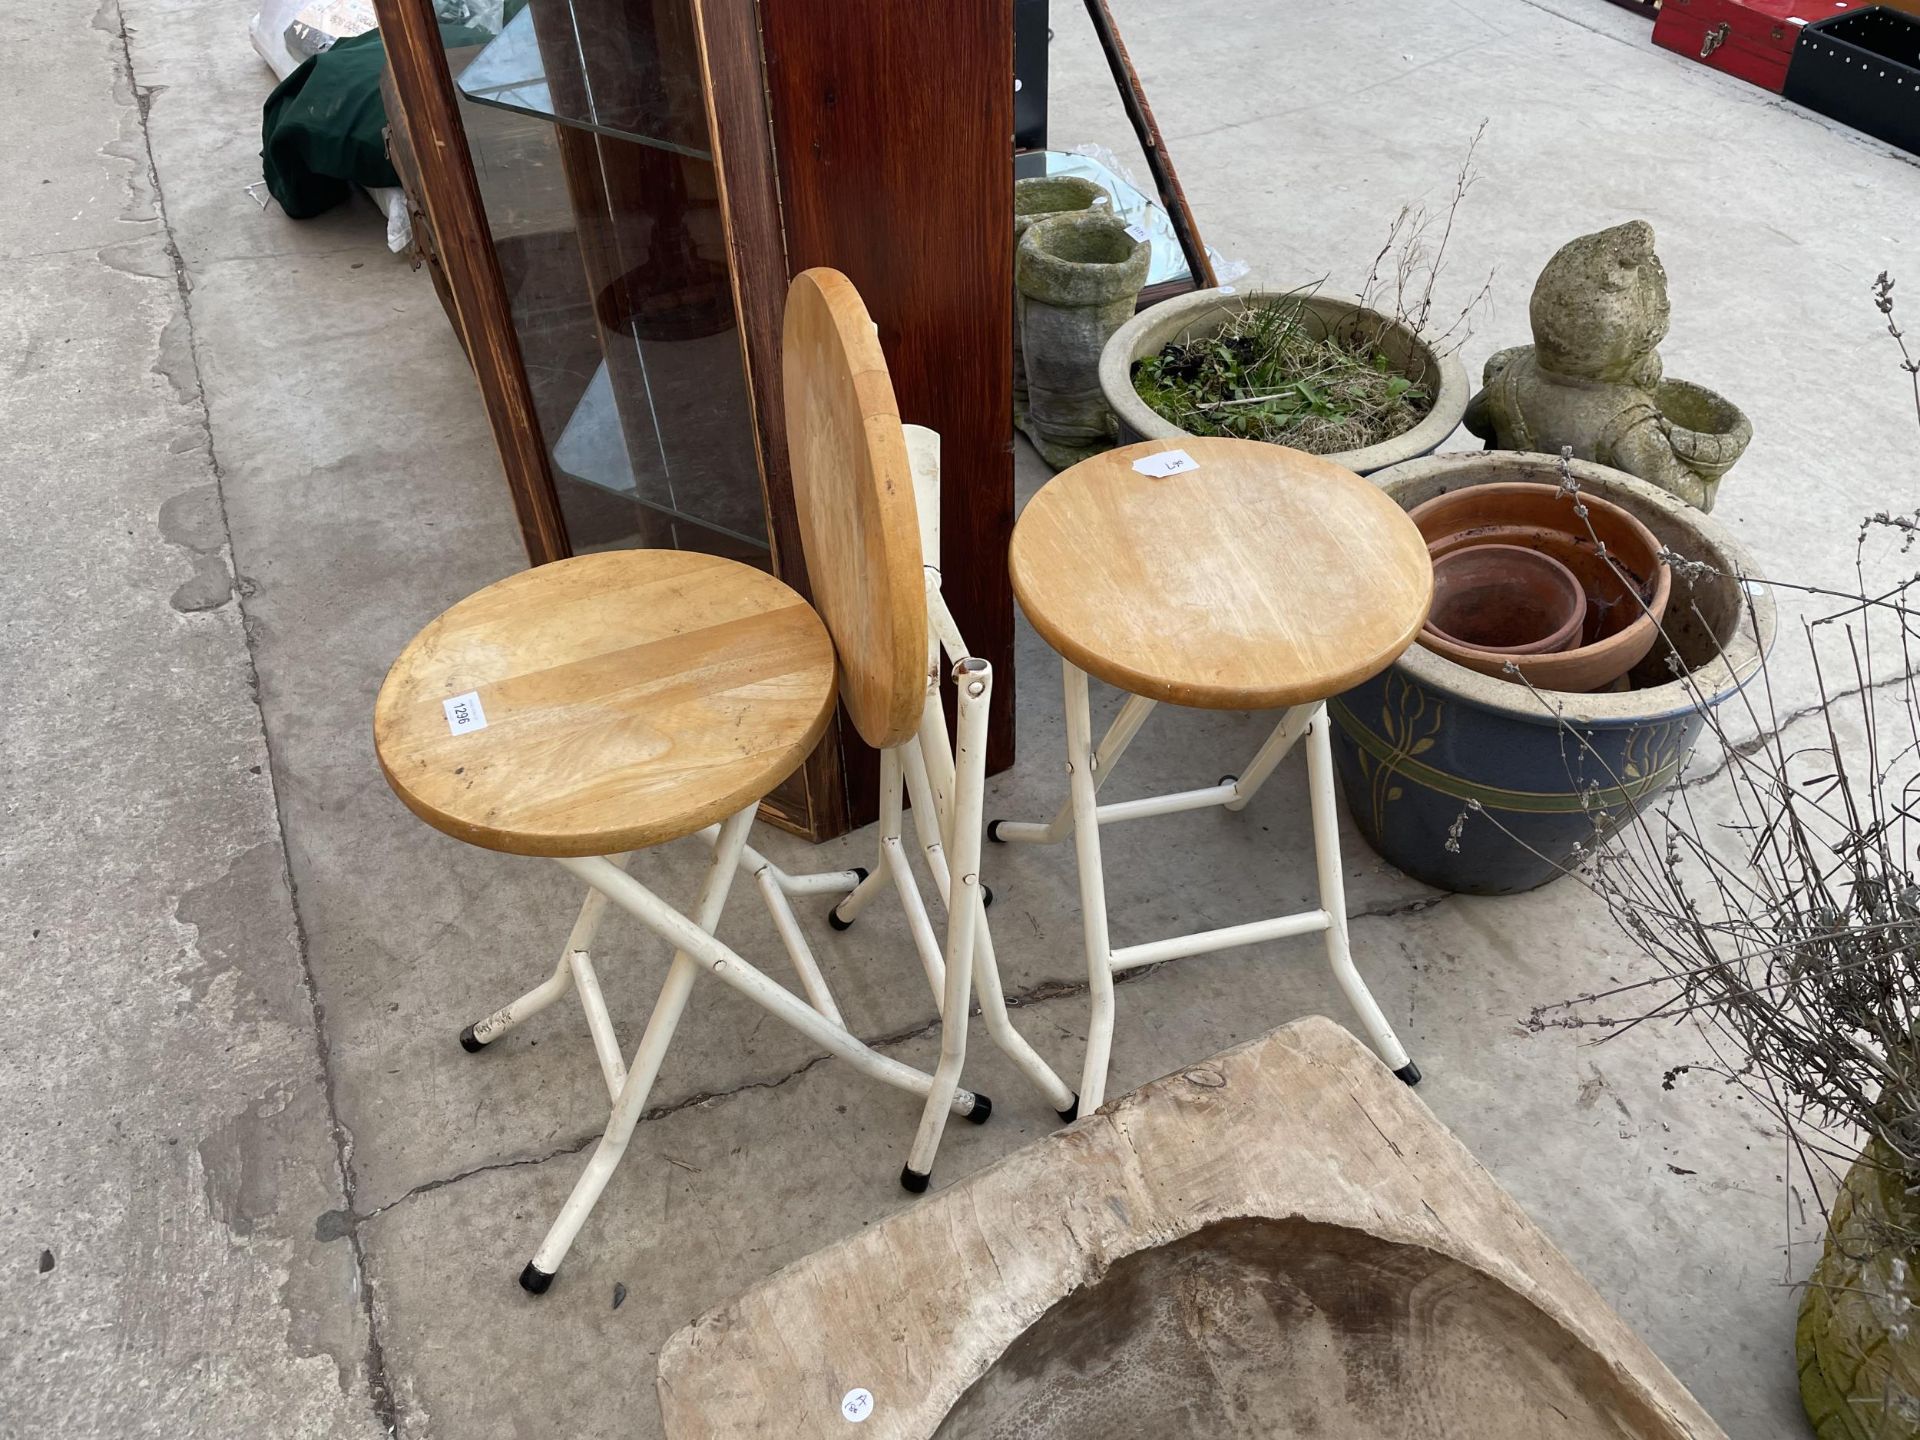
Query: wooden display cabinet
point(614, 194)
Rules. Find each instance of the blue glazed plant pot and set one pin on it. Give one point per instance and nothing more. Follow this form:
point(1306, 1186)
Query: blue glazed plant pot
point(1551, 772)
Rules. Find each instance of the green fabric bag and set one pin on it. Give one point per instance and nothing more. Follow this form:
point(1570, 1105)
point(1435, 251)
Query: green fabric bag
point(322, 127)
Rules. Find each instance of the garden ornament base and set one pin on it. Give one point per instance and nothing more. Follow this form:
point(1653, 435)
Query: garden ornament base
point(1278, 1241)
point(1424, 742)
point(1592, 378)
point(1185, 318)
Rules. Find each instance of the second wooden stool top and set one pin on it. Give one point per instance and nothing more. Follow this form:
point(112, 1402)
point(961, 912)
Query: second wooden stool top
point(1262, 577)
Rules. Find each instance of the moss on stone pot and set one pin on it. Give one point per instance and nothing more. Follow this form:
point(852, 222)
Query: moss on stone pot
point(1204, 313)
point(1857, 1344)
point(1418, 742)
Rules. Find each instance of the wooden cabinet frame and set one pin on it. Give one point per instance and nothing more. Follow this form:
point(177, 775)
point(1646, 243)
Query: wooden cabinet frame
point(867, 135)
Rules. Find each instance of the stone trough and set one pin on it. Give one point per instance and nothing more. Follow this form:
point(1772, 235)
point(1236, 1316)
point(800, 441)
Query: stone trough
point(1280, 1241)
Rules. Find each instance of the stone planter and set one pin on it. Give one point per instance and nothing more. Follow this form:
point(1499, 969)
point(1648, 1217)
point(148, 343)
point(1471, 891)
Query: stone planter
point(1041, 198)
point(1079, 276)
point(1205, 312)
point(1858, 1350)
point(1417, 742)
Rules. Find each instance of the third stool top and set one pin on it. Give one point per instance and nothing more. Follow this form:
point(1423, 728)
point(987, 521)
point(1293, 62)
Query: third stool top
point(1263, 577)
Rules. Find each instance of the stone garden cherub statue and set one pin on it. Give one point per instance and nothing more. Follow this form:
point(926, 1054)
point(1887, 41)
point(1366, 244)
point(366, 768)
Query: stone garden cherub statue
point(1592, 378)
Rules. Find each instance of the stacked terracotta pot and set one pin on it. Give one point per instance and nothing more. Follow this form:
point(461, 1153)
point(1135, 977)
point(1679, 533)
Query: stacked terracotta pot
point(1541, 585)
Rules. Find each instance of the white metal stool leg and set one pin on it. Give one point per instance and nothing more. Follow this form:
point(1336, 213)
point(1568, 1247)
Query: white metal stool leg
point(1084, 781)
point(638, 1081)
point(1333, 899)
point(975, 679)
point(1083, 815)
point(986, 968)
point(477, 1036)
point(697, 949)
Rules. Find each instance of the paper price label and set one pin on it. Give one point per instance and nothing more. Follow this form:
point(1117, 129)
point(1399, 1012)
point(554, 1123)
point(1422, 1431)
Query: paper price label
point(1167, 462)
point(464, 713)
point(857, 1404)
point(1138, 232)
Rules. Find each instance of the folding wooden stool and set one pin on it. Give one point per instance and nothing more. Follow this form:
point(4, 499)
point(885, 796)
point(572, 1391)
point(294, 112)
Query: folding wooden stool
point(617, 701)
point(861, 478)
point(1222, 575)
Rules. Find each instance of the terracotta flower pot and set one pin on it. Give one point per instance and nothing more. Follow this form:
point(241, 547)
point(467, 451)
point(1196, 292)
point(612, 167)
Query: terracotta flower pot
point(1627, 584)
point(1495, 602)
point(1419, 741)
point(1205, 312)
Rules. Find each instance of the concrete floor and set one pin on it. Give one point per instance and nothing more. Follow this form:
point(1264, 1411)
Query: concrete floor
point(254, 1188)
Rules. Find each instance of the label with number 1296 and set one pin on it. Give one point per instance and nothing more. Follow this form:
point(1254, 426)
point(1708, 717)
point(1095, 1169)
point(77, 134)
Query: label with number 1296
point(464, 713)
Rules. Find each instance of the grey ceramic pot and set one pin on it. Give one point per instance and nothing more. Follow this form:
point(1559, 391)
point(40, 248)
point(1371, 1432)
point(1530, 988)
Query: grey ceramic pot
point(1419, 741)
point(1041, 197)
point(1205, 312)
point(1079, 277)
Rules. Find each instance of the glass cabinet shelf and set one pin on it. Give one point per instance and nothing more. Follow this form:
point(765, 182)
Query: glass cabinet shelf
point(616, 93)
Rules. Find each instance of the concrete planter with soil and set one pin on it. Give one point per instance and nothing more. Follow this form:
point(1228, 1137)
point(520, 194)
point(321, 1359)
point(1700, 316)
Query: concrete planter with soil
point(1205, 312)
point(1417, 743)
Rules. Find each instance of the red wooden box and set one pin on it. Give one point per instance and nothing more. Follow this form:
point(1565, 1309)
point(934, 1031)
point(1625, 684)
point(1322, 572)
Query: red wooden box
point(1750, 39)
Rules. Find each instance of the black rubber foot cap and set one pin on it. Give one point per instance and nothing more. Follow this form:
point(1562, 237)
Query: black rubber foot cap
point(534, 1280)
point(1228, 780)
point(469, 1043)
point(1409, 1072)
point(1071, 1113)
point(986, 897)
point(862, 872)
point(993, 832)
point(833, 919)
point(982, 1110)
point(912, 1179)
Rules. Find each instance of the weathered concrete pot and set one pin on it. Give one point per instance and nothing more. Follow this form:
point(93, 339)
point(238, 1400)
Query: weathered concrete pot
point(1041, 197)
point(1858, 1351)
point(1206, 312)
point(1280, 1241)
point(1420, 740)
point(1079, 277)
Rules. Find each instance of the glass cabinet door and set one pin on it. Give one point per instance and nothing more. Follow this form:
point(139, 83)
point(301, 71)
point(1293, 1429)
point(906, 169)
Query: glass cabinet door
point(588, 131)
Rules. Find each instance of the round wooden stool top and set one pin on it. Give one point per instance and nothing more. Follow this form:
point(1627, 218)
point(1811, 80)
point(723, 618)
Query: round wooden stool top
point(624, 699)
point(853, 490)
point(1264, 577)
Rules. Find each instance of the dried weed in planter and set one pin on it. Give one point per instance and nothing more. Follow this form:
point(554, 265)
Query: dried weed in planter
point(1274, 373)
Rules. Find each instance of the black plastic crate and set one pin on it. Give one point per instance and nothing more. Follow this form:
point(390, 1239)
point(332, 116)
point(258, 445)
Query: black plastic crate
point(1863, 69)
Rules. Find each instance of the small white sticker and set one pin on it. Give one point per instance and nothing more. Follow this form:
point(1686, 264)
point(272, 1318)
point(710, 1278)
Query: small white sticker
point(1138, 232)
point(1098, 201)
point(464, 713)
point(1167, 462)
point(857, 1404)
